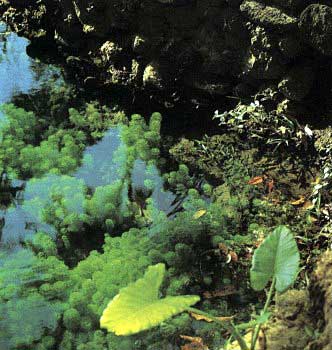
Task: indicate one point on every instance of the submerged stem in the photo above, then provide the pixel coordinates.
(228, 326)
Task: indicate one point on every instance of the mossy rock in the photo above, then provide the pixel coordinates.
(267, 16)
(316, 27)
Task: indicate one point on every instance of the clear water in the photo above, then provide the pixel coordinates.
(19, 73)
(101, 162)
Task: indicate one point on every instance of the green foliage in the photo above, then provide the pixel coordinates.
(17, 130)
(31, 147)
(276, 258)
(138, 307)
(109, 206)
(59, 154)
(142, 140)
(33, 291)
(42, 244)
(95, 120)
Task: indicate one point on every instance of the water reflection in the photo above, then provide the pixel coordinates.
(102, 164)
(19, 73)
(105, 162)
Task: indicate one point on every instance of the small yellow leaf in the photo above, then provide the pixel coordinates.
(199, 214)
(299, 201)
(317, 181)
(308, 205)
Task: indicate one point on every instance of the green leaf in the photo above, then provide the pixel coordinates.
(277, 257)
(137, 307)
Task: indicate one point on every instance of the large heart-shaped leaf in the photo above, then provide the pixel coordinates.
(137, 306)
(277, 257)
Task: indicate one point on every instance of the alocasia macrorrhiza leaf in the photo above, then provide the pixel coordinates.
(277, 257)
(137, 306)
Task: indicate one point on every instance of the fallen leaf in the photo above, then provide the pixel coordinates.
(308, 205)
(229, 290)
(299, 201)
(196, 343)
(317, 181)
(192, 339)
(199, 214)
(234, 256)
(270, 186)
(207, 319)
(235, 345)
(256, 180)
(312, 219)
(223, 248)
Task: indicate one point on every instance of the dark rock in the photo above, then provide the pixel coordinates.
(267, 16)
(296, 84)
(291, 46)
(193, 49)
(316, 27)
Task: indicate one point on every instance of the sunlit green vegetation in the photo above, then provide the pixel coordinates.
(230, 193)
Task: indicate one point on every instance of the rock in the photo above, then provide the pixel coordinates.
(296, 84)
(316, 27)
(291, 46)
(110, 51)
(321, 299)
(303, 318)
(100, 16)
(286, 330)
(292, 5)
(203, 47)
(151, 76)
(267, 16)
(262, 61)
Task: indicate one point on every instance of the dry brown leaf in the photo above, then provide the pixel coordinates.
(223, 248)
(312, 219)
(192, 339)
(196, 343)
(256, 180)
(229, 290)
(234, 256)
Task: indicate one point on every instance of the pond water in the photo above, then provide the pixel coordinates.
(100, 164)
(18, 72)
(22, 216)
(25, 318)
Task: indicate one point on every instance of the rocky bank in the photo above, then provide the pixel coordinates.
(199, 50)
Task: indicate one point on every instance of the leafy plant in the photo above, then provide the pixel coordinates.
(277, 258)
(137, 307)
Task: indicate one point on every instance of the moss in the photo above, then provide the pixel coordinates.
(321, 299)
